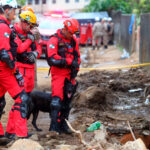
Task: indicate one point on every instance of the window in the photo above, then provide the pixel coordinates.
(43, 1)
(29, 2)
(67, 1)
(77, 1)
(36, 1)
(53, 1)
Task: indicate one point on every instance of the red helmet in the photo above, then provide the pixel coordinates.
(27, 8)
(72, 25)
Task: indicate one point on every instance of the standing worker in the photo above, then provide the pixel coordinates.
(29, 49)
(27, 52)
(97, 33)
(64, 60)
(106, 29)
(9, 77)
(111, 32)
(88, 34)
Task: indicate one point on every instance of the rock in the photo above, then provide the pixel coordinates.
(128, 137)
(100, 135)
(52, 134)
(52, 142)
(34, 137)
(135, 145)
(66, 147)
(110, 148)
(26, 144)
(90, 96)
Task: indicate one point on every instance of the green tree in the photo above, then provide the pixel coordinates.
(21, 2)
(126, 6)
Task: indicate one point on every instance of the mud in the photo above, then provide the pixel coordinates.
(99, 97)
(107, 89)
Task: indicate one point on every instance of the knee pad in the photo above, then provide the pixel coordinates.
(2, 105)
(55, 103)
(24, 105)
(26, 100)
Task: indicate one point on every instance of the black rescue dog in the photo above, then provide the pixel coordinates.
(41, 101)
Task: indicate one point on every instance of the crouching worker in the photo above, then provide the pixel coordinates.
(63, 56)
(9, 79)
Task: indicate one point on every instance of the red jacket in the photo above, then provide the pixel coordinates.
(52, 50)
(5, 32)
(25, 46)
(89, 31)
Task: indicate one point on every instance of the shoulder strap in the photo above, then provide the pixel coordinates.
(60, 40)
(73, 43)
(55, 35)
(3, 21)
(21, 36)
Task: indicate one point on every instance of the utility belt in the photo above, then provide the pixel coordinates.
(25, 62)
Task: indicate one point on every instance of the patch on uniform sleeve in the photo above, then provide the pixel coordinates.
(68, 23)
(6, 34)
(52, 46)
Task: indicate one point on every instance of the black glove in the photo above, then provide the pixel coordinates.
(75, 64)
(31, 37)
(19, 78)
(62, 63)
(4, 57)
(32, 56)
(73, 73)
(33, 46)
(22, 37)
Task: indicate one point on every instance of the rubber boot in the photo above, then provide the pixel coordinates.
(10, 135)
(4, 140)
(64, 126)
(26, 137)
(13, 136)
(55, 121)
(55, 126)
(55, 114)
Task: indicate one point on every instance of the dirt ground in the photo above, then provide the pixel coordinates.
(112, 97)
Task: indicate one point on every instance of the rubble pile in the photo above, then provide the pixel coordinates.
(112, 98)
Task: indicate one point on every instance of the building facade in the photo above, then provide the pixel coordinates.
(41, 6)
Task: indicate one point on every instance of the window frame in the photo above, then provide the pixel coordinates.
(30, 2)
(54, 1)
(37, 2)
(67, 1)
(44, 1)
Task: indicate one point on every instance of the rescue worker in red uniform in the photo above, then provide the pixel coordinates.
(88, 34)
(63, 55)
(28, 50)
(9, 77)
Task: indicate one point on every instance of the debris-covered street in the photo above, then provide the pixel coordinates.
(115, 98)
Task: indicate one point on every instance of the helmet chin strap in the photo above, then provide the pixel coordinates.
(21, 25)
(6, 14)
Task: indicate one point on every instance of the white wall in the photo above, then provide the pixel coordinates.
(72, 6)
